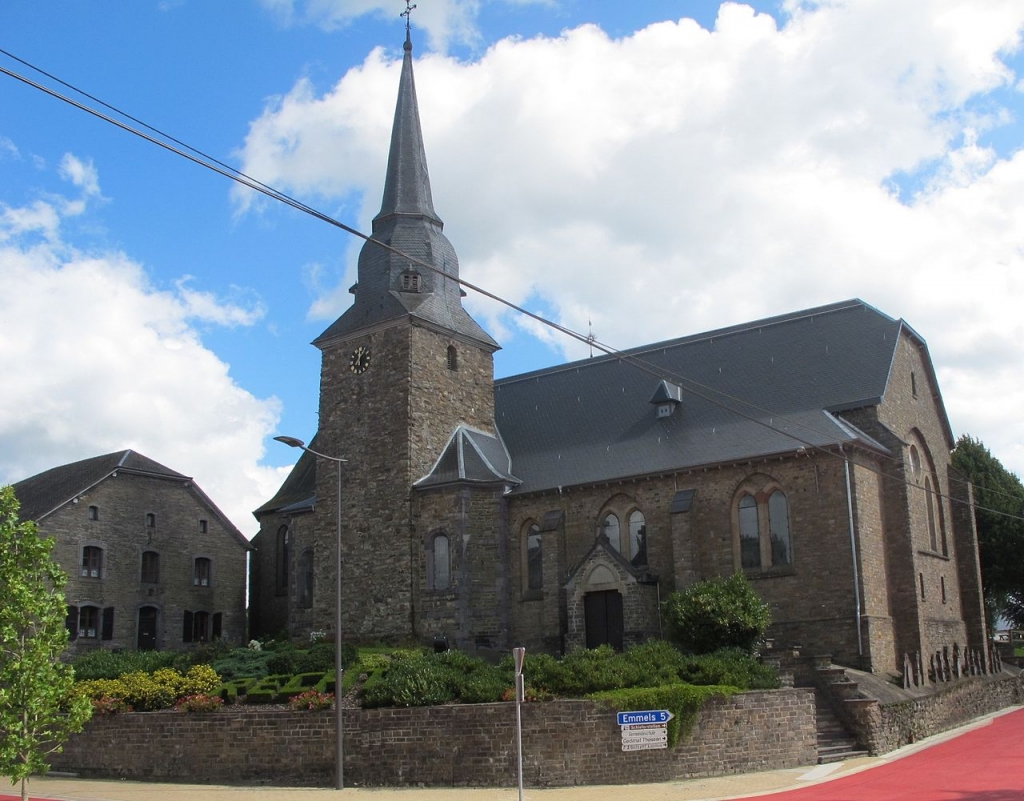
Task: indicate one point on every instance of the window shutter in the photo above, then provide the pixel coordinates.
(217, 619)
(71, 621)
(107, 632)
(186, 628)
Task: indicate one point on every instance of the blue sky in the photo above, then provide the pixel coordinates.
(651, 169)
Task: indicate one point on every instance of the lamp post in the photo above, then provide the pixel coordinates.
(339, 756)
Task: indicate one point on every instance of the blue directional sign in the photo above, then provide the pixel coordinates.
(647, 716)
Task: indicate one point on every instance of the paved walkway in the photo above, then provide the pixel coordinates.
(997, 774)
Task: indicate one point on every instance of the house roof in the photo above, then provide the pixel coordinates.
(473, 457)
(298, 492)
(753, 390)
(44, 493)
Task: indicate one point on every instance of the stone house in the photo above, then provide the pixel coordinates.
(152, 563)
(556, 509)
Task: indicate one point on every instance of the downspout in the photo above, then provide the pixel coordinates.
(853, 552)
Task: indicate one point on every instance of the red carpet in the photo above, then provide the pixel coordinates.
(985, 764)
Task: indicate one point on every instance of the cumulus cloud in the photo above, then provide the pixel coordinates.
(96, 359)
(679, 178)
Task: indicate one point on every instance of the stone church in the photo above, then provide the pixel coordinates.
(555, 509)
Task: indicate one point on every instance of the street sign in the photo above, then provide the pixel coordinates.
(658, 716)
(644, 739)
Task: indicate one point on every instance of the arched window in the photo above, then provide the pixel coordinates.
(441, 566)
(92, 562)
(534, 558)
(778, 525)
(201, 572)
(150, 567)
(281, 566)
(750, 536)
(610, 528)
(638, 539)
(453, 358)
(929, 497)
(306, 579)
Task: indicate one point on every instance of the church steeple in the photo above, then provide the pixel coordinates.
(390, 287)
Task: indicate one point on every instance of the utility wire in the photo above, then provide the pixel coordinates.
(703, 391)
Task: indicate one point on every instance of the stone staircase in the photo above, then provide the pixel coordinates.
(834, 743)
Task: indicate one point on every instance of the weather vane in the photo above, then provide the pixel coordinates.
(407, 13)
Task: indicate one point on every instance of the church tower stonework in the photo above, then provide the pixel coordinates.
(402, 369)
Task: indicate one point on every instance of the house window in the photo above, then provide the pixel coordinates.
(638, 539)
(150, 520)
(534, 558)
(150, 567)
(88, 623)
(94, 513)
(281, 564)
(306, 579)
(195, 627)
(440, 567)
(410, 282)
(453, 358)
(203, 527)
(763, 538)
(610, 527)
(92, 562)
(201, 572)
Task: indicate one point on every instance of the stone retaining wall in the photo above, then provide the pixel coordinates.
(564, 743)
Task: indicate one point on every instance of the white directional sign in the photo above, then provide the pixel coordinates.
(645, 730)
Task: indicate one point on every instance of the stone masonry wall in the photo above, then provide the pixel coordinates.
(564, 743)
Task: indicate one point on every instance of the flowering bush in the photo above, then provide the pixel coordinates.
(200, 680)
(316, 636)
(106, 705)
(149, 691)
(199, 703)
(311, 700)
(255, 645)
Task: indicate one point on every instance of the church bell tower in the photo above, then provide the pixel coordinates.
(402, 368)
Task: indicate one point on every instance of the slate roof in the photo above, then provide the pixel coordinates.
(472, 457)
(298, 492)
(592, 420)
(44, 493)
(407, 221)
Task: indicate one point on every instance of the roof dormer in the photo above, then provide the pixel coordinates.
(666, 398)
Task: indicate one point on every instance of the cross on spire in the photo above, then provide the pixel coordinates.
(408, 15)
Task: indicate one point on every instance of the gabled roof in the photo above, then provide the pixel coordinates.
(44, 493)
(748, 391)
(470, 457)
(298, 492)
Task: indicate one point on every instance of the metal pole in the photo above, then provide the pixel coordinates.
(519, 654)
(339, 673)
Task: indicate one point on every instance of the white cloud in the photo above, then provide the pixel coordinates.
(80, 173)
(680, 179)
(445, 21)
(95, 359)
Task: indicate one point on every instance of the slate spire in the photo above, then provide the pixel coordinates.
(391, 287)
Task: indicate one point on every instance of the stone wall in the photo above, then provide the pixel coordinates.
(564, 743)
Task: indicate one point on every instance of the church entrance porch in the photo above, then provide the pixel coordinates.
(602, 612)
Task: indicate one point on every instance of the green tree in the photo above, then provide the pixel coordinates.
(714, 614)
(998, 513)
(37, 712)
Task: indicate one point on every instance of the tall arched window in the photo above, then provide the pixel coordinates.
(638, 539)
(610, 528)
(442, 565)
(750, 536)
(534, 559)
(281, 566)
(453, 358)
(929, 498)
(778, 524)
(306, 579)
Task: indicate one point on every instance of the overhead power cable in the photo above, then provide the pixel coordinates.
(736, 405)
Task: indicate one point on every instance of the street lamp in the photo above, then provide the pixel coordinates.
(339, 758)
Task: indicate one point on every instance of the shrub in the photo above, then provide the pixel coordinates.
(106, 705)
(283, 660)
(200, 680)
(714, 614)
(317, 658)
(198, 703)
(684, 701)
(312, 700)
(730, 666)
(106, 664)
(243, 663)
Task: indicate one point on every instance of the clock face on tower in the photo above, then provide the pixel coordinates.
(359, 361)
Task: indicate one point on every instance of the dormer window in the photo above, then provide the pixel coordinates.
(666, 398)
(411, 282)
